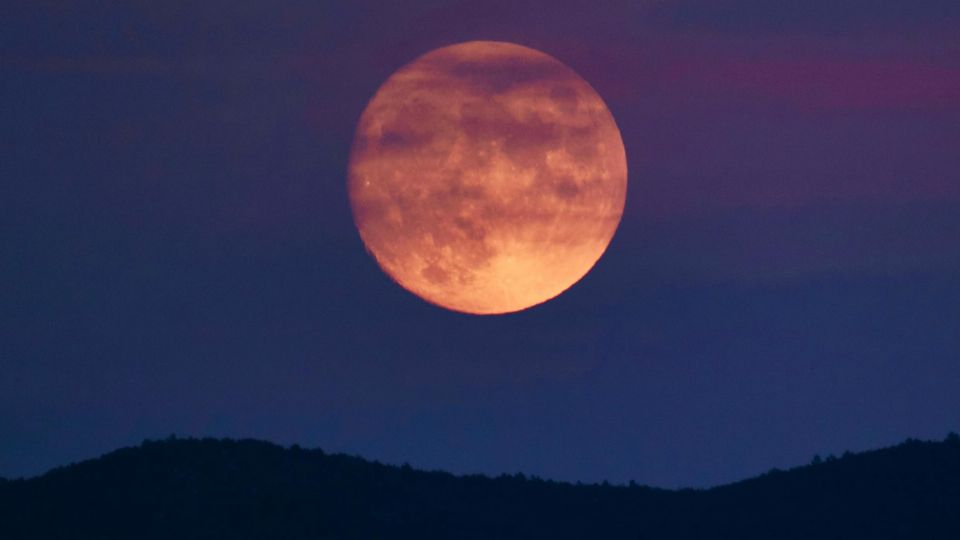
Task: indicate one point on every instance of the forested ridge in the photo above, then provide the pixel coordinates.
(216, 488)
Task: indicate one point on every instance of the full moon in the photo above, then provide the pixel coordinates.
(487, 177)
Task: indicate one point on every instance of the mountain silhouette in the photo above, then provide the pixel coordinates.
(210, 488)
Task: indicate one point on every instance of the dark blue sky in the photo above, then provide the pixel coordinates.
(178, 254)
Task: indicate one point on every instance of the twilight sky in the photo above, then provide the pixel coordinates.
(178, 254)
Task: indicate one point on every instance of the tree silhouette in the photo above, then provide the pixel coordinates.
(186, 488)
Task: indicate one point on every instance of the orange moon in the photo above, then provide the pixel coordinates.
(487, 177)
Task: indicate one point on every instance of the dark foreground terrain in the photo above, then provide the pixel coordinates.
(180, 489)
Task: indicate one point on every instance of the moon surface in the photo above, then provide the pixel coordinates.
(487, 177)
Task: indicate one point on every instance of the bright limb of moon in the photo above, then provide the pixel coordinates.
(487, 177)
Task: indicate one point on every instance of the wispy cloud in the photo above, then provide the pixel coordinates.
(820, 82)
(810, 16)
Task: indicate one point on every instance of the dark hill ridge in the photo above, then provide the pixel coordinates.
(186, 488)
